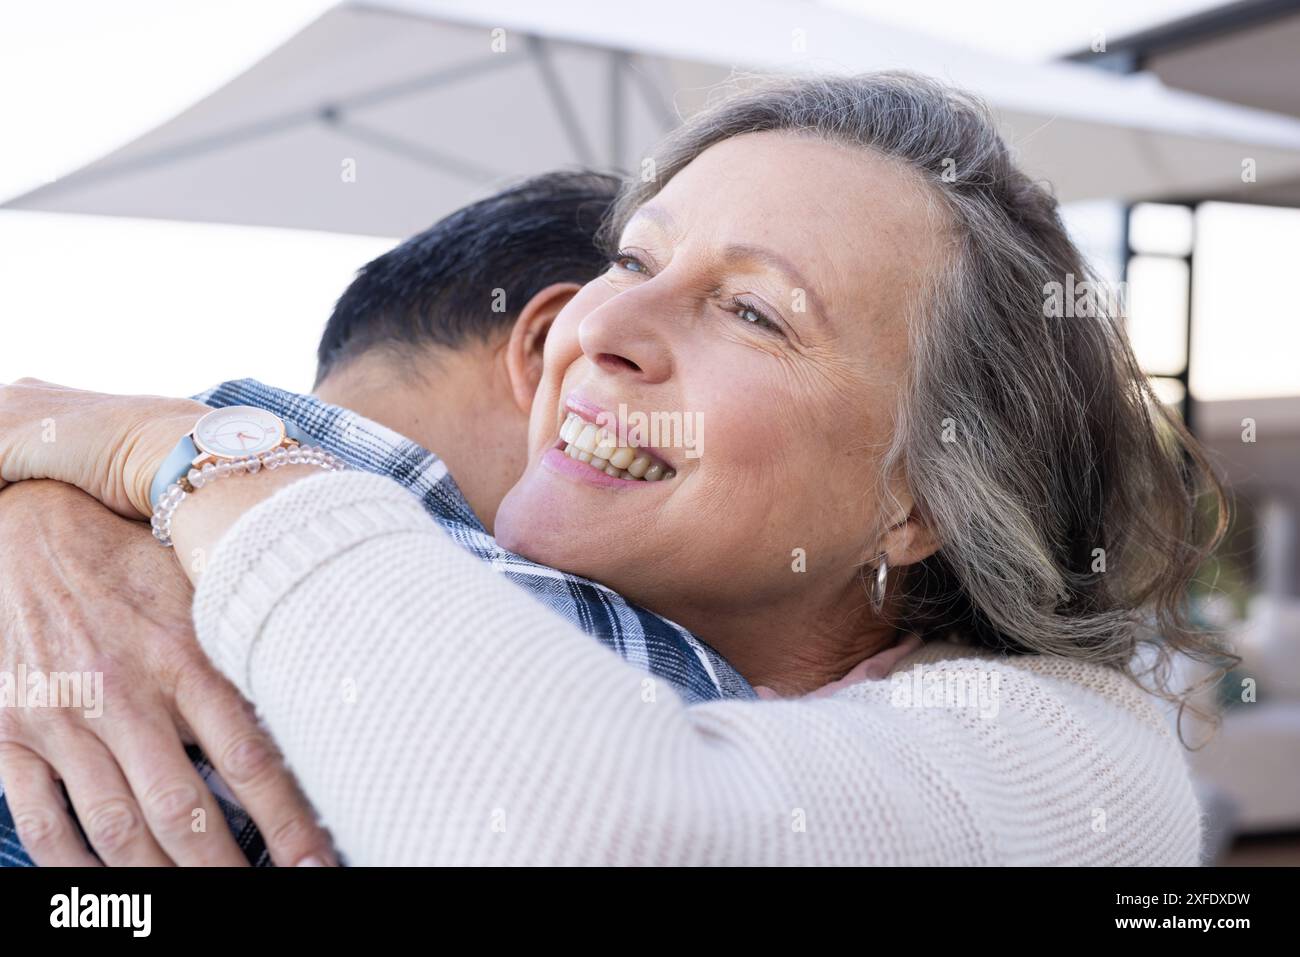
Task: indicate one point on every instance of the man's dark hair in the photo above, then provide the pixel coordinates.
(468, 276)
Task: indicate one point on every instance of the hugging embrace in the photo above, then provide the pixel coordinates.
(444, 611)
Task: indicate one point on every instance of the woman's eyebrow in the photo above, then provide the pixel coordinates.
(774, 260)
(654, 215)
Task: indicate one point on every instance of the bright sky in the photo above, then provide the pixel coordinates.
(1246, 336)
(171, 307)
(133, 305)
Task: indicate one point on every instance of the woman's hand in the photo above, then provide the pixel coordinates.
(109, 446)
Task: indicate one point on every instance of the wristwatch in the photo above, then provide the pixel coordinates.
(224, 435)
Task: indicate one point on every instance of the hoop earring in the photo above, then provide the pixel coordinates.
(878, 587)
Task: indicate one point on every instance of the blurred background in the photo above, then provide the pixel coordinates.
(187, 186)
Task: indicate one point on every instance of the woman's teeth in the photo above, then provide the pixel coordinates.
(600, 449)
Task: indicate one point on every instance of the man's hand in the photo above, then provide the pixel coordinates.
(82, 590)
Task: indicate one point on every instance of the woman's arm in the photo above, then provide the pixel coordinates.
(435, 713)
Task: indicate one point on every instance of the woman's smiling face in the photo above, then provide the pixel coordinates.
(759, 301)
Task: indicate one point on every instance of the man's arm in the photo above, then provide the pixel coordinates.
(85, 591)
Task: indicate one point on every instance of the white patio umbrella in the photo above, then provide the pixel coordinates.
(382, 115)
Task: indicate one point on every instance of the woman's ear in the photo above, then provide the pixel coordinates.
(910, 539)
(528, 338)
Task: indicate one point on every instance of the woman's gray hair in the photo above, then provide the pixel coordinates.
(1066, 497)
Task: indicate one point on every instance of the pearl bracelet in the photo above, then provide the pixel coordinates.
(178, 491)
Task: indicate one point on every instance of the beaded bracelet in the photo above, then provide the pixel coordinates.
(197, 478)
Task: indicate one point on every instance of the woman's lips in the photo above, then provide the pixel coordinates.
(557, 461)
(587, 437)
(590, 453)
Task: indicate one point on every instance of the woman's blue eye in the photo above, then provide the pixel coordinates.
(629, 263)
(754, 317)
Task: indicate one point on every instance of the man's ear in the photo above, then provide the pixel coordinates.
(528, 337)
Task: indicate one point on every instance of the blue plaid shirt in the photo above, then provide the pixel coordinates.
(666, 650)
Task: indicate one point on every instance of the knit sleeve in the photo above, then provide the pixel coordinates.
(437, 714)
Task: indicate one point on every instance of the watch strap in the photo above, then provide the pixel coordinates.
(174, 466)
(292, 431)
(178, 463)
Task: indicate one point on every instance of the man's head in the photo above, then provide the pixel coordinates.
(441, 338)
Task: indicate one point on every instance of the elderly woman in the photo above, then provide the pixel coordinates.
(845, 281)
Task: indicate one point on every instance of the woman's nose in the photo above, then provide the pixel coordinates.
(623, 336)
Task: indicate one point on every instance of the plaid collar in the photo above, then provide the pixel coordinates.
(644, 639)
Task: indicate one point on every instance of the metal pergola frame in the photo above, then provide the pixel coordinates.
(1131, 54)
(1187, 407)
(1121, 55)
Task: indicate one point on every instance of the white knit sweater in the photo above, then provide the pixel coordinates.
(435, 713)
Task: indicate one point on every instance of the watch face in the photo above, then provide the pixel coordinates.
(238, 431)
